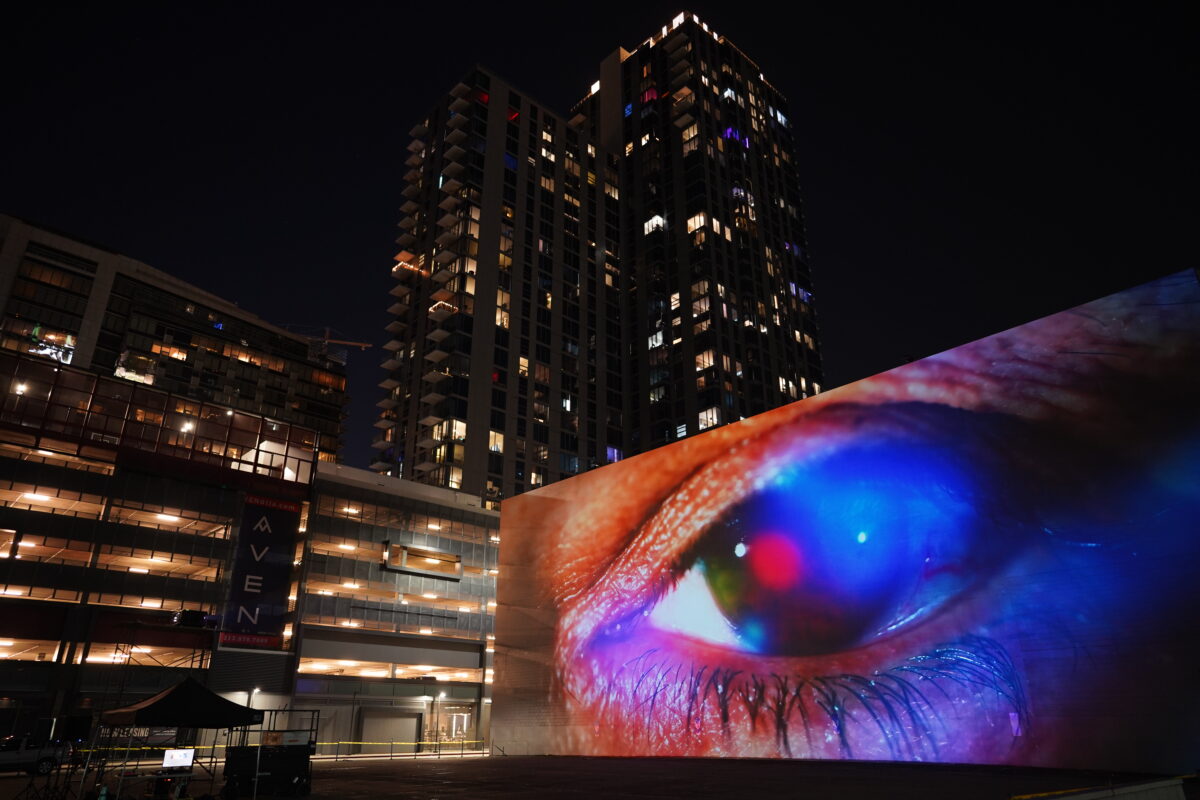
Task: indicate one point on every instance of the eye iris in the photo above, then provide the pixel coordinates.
(835, 551)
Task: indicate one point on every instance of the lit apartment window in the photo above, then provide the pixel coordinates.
(496, 441)
(709, 418)
(655, 223)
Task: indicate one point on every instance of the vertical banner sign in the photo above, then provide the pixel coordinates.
(261, 575)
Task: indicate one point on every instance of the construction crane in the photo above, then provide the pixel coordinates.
(325, 336)
(327, 340)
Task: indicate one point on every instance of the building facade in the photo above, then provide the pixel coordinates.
(394, 635)
(142, 423)
(80, 304)
(720, 324)
(505, 369)
(572, 290)
(119, 506)
(122, 505)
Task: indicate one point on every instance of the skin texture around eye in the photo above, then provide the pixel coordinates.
(1076, 405)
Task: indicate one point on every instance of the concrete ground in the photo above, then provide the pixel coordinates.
(648, 779)
(573, 778)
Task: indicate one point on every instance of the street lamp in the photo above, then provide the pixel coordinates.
(437, 731)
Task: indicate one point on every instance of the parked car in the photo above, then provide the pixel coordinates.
(32, 755)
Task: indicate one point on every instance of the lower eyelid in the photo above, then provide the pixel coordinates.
(668, 661)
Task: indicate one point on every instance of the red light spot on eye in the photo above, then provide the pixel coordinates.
(774, 561)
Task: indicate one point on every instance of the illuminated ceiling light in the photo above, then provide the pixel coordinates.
(348, 663)
(422, 668)
(491, 603)
(441, 678)
(429, 596)
(347, 547)
(441, 695)
(45, 452)
(324, 591)
(228, 412)
(41, 498)
(403, 602)
(19, 388)
(142, 570)
(142, 650)
(167, 517)
(433, 526)
(26, 544)
(433, 561)
(160, 558)
(491, 636)
(464, 608)
(461, 675)
(374, 673)
(186, 427)
(317, 666)
(152, 603)
(495, 539)
(489, 650)
(349, 510)
(427, 631)
(494, 571)
(350, 585)
(352, 624)
(6, 643)
(487, 699)
(13, 592)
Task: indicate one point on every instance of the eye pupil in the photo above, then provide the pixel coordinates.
(739, 549)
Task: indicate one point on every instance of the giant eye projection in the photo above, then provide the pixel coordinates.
(985, 556)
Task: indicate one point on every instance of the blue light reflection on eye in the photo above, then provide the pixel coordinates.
(837, 550)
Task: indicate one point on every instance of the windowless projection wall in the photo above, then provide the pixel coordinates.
(985, 556)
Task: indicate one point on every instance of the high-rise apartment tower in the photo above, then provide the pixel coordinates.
(571, 291)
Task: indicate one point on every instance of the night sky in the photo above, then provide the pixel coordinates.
(965, 169)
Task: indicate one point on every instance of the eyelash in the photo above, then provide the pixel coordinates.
(891, 699)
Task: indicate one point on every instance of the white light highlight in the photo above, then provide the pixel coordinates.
(690, 609)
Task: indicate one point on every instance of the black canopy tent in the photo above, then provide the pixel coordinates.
(122, 737)
(186, 705)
